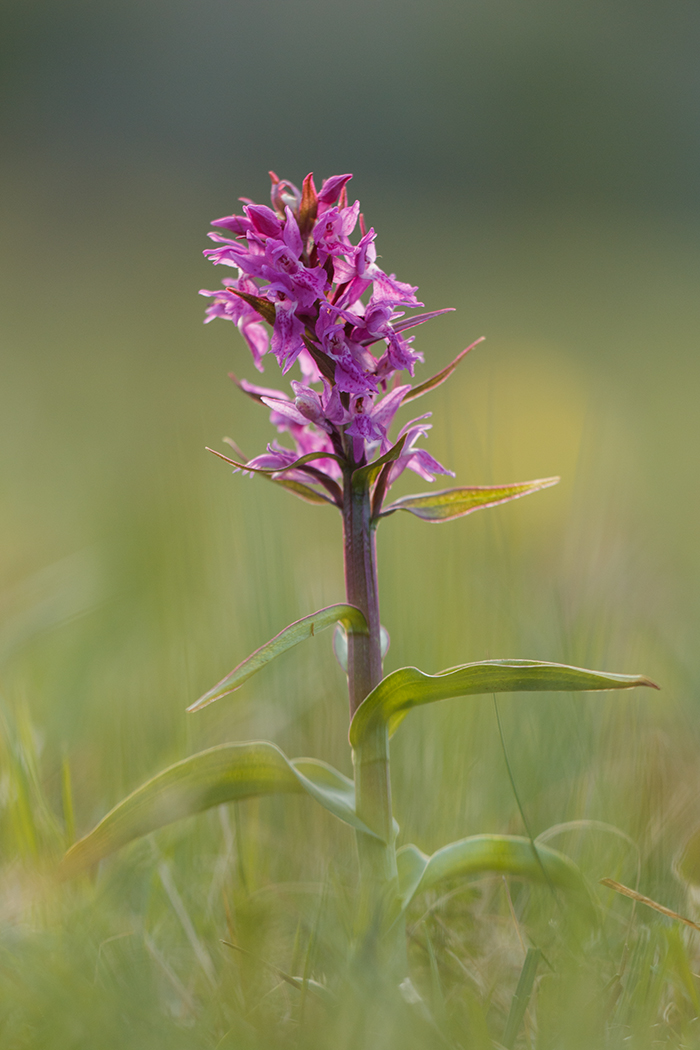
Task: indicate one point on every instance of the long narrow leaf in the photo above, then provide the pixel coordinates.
(411, 322)
(352, 619)
(521, 998)
(227, 773)
(304, 492)
(308, 458)
(440, 377)
(478, 854)
(393, 698)
(455, 503)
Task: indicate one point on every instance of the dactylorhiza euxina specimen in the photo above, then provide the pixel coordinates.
(308, 293)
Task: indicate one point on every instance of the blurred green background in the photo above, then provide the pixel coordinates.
(534, 165)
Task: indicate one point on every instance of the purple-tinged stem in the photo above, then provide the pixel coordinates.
(378, 874)
(364, 650)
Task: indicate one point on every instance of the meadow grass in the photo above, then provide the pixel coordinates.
(135, 572)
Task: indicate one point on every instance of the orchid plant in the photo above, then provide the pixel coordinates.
(307, 295)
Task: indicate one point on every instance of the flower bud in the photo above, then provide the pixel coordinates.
(284, 194)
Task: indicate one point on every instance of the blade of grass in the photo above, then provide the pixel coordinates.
(518, 802)
(633, 895)
(521, 998)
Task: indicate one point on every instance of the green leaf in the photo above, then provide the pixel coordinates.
(303, 491)
(455, 503)
(308, 458)
(227, 773)
(411, 864)
(393, 698)
(439, 377)
(473, 856)
(352, 619)
(366, 475)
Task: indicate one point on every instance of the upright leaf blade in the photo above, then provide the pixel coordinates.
(351, 618)
(227, 773)
(522, 997)
(393, 698)
(416, 319)
(455, 503)
(440, 377)
(478, 854)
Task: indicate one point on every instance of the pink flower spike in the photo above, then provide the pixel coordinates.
(328, 303)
